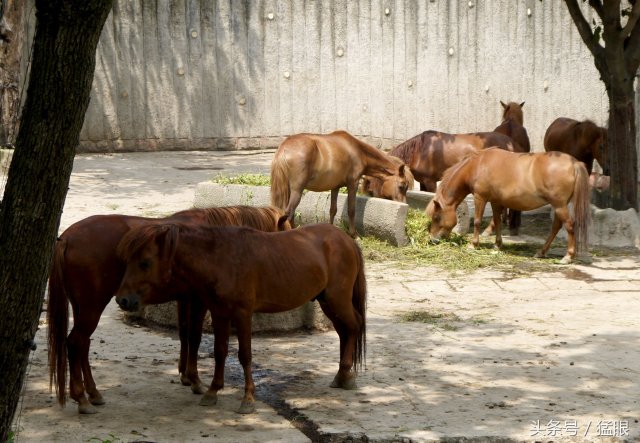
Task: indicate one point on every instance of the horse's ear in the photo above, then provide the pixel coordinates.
(522, 105)
(283, 223)
(503, 105)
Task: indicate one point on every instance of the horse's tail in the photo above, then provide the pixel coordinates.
(359, 301)
(581, 200)
(58, 323)
(280, 191)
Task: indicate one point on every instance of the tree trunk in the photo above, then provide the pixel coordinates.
(65, 42)
(623, 157)
(10, 58)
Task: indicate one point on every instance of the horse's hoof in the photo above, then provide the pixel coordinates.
(486, 233)
(198, 388)
(209, 400)
(185, 380)
(348, 382)
(97, 400)
(566, 260)
(86, 408)
(247, 407)
(539, 254)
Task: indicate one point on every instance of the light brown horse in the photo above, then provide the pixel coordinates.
(512, 125)
(519, 181)
(238, 271)
(86, 272)
(583, 139)
(374, 187)
(328, 162)
(431, 153)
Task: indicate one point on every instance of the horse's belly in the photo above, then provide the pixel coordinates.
(324, 182)
(524, 202)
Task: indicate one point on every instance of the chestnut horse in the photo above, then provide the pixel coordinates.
(238, 271)
(431, 153)
(328, 162)
(519, 181)
(86, 272)
(582, 139)
(512, 125)
(374, 187)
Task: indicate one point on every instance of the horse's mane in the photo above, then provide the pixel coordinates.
(264, 218)
(446, 175)
(405, 150)
(139, 236)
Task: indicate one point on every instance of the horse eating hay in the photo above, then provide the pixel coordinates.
(519, 181)
(238, 271)
(327, 162)
(86, 272)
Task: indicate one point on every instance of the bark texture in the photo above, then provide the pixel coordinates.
(57, 97)
(617, 61)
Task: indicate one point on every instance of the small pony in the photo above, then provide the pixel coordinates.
(238, 271)
(328, 162)
(86, 272)
(519, 181)
(582, 139)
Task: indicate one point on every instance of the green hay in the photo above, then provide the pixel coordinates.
(243, 179)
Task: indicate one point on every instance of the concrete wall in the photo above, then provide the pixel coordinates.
(233, 74)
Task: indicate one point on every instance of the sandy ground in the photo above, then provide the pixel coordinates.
(536, 357)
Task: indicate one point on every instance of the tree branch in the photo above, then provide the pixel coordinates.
(583, 26)
(632, 21)
(597, 6)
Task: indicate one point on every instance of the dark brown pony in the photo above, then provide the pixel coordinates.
(512, 125)
(431, 153)
(238, 271)
(519, 181)
(582, 139)
(86, 272)
(374, 187)
(328, 162)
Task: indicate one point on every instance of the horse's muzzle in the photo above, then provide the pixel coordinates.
(129, 303)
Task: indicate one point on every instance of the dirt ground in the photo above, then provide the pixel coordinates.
(490, 357)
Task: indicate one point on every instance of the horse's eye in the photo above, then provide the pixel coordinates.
(145, 265)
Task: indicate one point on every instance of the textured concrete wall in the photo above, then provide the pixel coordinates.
(232, 74)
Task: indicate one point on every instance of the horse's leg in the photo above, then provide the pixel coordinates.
(564, 218)
(351, 206)
(333, 208)
(338, 307)
(479, 204)
(497, 221)
(243, 325)
(85, 322)
(555, 227)
(515, 220)
(221, 326)
(183, 313)
(294, 201)
(196, 312)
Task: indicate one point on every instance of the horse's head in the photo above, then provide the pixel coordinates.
(513, 111)
(148, 252)
(443, 219)
(395, 185)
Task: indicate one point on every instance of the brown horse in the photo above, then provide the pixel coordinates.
(328, 162)
(519, 181)
(582, 139)
(374, 187)
(238, 271)
(431, 153)
(86, 272)
(512, 125)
